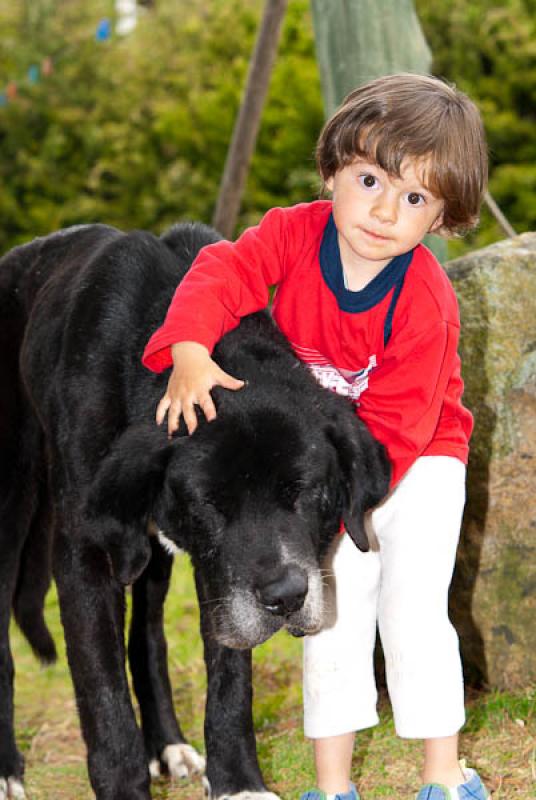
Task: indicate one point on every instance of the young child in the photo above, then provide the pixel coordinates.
(372, 313)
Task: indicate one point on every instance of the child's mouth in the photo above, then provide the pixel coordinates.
(376, 236)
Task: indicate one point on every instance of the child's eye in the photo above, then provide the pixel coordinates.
(368, 181)
(415, 199)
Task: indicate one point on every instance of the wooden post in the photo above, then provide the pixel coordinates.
(364, 39)
(499, 216)
(248, 121)
(359, 40)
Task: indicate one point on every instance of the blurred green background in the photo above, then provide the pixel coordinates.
(133, 130)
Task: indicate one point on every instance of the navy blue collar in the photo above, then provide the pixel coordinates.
(374, 292)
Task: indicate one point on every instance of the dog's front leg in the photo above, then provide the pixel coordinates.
(92, 612)
(232, 765)
(147, 651)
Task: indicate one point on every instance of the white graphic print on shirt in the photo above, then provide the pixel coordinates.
(342, 381)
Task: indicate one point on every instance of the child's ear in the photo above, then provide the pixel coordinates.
(438, 222)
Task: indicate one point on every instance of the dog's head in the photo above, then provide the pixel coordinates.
(256, 499)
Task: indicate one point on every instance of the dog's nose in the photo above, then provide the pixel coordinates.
(284, 592)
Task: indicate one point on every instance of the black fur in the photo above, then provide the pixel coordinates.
(255, 497)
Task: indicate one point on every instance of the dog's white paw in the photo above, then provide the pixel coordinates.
(11, 789)
(154, 769)
(181, 760)
(241, 795)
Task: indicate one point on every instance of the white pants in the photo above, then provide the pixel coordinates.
(401, 585)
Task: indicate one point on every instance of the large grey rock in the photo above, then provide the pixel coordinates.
(494, 589)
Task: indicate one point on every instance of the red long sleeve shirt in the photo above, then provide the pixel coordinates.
(391, 347)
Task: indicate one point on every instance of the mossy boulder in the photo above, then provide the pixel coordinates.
(493, 602)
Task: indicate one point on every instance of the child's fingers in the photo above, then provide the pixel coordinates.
(191, 397)
(190, 418)
(228, 382)
(207, 405)
(162, 408)
(173, 417)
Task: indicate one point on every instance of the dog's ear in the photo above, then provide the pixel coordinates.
(365, 472)
(131, 473)
(121, 497)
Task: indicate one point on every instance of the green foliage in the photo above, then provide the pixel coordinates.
(489, 50)
(134, 131)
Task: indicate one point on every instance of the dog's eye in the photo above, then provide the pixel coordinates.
(207, 516)
(289, 494)
(314, 498)
(323, 497)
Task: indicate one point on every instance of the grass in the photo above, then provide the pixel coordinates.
(499, 738)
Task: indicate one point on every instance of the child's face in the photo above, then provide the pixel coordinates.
(379, 216)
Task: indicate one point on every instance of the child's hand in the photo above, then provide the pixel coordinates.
(193, 376)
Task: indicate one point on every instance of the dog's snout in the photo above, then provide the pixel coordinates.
(284, 592)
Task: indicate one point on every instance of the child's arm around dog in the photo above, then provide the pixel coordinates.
(233, 280)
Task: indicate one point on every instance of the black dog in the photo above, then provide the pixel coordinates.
(255, 497)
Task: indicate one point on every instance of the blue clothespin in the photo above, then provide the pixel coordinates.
(33, 73)
(104, 30)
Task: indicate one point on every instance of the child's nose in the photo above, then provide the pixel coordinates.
(385, 208)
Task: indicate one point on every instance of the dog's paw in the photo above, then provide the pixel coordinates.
(181, 761)
(11, 789)
(247, 795)
(154, 769)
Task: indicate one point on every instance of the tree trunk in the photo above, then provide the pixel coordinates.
(248, 121)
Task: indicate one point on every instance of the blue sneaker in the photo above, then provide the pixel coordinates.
(472, 789)
(318, 794)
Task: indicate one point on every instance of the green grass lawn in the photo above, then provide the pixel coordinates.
(499, 738)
